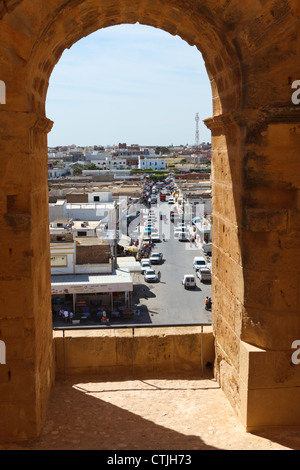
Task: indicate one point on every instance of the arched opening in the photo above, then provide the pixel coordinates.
(251, 54)
(132, 84)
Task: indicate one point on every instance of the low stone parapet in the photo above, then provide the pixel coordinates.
(136, 352)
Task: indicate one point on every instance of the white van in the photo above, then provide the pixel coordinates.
(189, 281)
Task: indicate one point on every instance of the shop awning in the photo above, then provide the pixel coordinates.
(87, 284)
(128, 263)
(124, 241)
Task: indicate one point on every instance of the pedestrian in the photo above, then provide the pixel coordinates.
(163, 237)
(104, 318)
(159, 276)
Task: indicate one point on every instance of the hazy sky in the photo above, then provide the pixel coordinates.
(129, 83)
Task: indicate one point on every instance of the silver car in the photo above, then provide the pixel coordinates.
(150, 275)
(204, 274)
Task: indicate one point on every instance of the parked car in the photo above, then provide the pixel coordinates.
(199, 262)
(189, 281)
(204, 274)
(145, 263)
(180, 226)
(181, 235)
(155, 237)
(156, 258)
(207, 249)
(150, 275)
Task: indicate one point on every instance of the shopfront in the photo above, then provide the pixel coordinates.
(85, 295)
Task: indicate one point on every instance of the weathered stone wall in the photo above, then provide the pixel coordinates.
(92, 253)
(122, 353)
(252, 52)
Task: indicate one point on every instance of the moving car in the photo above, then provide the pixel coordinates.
(204, 274)
(150, 275)
(171, 200)
(199, 262)
(189, 281)
(156, 258)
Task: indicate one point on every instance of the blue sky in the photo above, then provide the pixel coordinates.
(129, 83)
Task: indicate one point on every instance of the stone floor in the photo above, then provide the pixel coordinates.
(149, 414)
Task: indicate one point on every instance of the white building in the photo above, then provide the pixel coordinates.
(57, 172)
(100, 196)
(88, 211)
(203, 229)
(62, 229)
(116, 163)
(64, 260)
(152, 163)
(75, 285)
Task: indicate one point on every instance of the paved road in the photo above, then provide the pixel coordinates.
(168, 302)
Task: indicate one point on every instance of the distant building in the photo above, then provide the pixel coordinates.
(152, 163)
(57, 172)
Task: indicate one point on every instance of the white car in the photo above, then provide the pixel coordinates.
(155, 237)
(171, 200)
(189, 281)
(145, 263)
(204, 274)
(181, 226)
(181, 235)
(150, 275)
(199, 262)
(156, 258)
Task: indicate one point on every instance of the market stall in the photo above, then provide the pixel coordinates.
(89, 294)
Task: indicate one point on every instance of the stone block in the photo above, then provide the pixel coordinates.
(271, 396)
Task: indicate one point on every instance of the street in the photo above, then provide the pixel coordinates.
(167, 302)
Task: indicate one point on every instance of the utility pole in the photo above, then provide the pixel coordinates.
(197, 151)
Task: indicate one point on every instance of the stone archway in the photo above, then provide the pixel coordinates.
(252, 52)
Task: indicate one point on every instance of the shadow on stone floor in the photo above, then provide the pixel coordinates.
(154, 414)
(79, 419)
